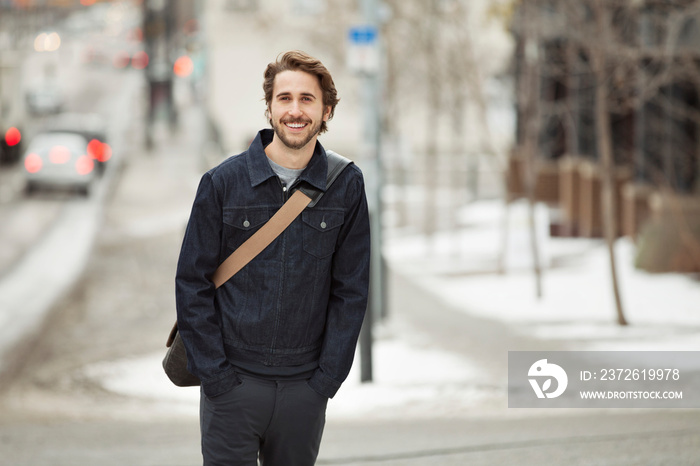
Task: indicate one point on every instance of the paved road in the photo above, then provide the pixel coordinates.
(574, 439)
(46, 238)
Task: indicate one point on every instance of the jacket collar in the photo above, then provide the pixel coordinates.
(260, 171)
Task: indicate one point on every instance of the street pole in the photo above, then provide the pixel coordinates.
(372, 137)
(158, 35)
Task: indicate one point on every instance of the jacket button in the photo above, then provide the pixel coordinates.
(323, 224)
(246, 224)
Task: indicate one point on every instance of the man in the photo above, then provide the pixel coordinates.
(276, 341)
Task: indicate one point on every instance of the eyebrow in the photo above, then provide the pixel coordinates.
(303, 94)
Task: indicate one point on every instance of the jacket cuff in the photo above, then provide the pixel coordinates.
(221, 384)
(323, 384)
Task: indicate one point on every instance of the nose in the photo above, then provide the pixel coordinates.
(294, 109)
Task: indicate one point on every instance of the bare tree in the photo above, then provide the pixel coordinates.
(602, 119)
(529, 103)
(433, 61)
(631, 74)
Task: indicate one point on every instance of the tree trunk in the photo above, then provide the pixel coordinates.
(530, 86)
(456, 155)
(604, 142)
(432, 123)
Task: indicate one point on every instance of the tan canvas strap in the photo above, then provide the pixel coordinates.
(261, 238)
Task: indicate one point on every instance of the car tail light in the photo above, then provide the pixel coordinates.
(59, 154)
(106, 152)
(12, 136)
(100, 151)
(140, 60)
(32, 162)
(94, 149)
(121, 59)
(84, 165)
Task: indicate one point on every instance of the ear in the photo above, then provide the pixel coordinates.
(327, 113)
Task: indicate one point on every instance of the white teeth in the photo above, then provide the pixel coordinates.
(295, 125)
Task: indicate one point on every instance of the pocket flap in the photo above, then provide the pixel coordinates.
(323, 220)
(246, 218)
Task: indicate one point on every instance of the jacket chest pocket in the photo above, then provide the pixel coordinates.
(241, 222)
(320, 231)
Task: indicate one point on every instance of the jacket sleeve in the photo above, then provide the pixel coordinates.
(348, 296)
(198, 321)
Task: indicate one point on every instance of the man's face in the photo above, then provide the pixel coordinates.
(296, 110)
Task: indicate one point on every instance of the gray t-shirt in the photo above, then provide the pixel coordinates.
(287, 175)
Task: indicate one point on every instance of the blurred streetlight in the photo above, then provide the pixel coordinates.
(47, 42)
(183, 66)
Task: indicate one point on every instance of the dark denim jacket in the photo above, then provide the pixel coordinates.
(299, 301)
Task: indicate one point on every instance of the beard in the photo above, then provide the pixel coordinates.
(299, 140)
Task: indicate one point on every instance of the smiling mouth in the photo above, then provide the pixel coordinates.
(295, 125)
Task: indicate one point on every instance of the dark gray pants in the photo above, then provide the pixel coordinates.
(281, 421)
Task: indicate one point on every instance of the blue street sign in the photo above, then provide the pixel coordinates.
(363, 35)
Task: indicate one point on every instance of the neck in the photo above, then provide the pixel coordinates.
(286, 157)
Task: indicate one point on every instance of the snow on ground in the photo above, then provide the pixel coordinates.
(442, 376)
(577, 308)
(577, 304)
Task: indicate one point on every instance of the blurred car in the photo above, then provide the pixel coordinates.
(88, 125)
(125, 58)
(59, 160)
(44, 100)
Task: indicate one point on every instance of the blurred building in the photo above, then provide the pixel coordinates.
(652, 56)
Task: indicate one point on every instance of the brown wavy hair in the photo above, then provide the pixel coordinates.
(296, 60)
